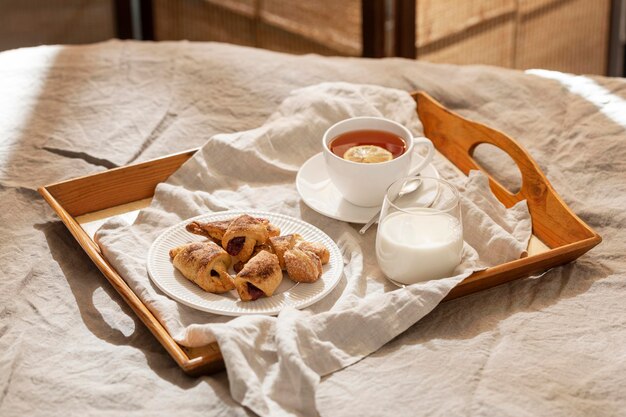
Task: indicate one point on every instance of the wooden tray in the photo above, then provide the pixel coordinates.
(559, 236)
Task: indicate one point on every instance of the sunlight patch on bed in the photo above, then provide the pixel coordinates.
(112, 313)
(15, 115)
(609, 104)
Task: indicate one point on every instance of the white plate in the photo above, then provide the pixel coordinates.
(319, 193)
(289, 293)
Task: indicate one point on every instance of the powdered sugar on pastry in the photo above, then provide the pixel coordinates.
(303, 266)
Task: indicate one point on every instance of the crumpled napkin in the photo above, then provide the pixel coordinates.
(274, 364)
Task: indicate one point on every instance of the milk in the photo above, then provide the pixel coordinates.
(423, 245)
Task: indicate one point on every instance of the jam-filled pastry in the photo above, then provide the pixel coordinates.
(242, 235)
(238, 266)
(263, 247)
(271, 229)
(317, 248)
(204, 263)
(281, 244)
(303, 266)
(259, 277)
(216, 230)
(213, 230)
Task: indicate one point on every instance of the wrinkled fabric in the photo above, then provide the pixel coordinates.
(547, 345)
(274, 364)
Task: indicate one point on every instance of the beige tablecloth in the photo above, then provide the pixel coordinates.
(550, 345)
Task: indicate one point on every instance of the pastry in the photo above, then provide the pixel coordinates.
(204, 263)
(281, 244)
(259, 248)
(213, 230)
(317, 248)
(273, 230)
(238, 266)
(242, 235)
(303, 266)
(259, 277)
(245, 233)
(216, 230)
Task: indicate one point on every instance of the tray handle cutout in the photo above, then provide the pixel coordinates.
(456, 138)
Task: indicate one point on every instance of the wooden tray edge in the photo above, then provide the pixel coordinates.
(209, 359)
(456, 137)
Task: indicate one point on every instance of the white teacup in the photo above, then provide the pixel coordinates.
(365, 184)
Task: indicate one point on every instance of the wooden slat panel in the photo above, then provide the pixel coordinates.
(277, 39)
(199, 20)
(438, 19)
(529, 6)
(491, 43)
(325, 27)
(564, 35)
(335, 25)
(244, 7)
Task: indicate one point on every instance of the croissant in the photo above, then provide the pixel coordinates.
(281, 244)
(259, 277)
(317, 248)
(204, 263)
(303, 266)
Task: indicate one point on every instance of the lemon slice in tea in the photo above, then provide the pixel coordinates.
(368, 154)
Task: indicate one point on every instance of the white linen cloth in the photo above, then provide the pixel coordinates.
(274, 364)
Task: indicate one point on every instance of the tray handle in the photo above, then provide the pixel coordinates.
(456, 138)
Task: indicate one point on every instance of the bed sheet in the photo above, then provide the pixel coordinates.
(548, 345)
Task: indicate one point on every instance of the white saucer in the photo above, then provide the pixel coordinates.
(319, 193)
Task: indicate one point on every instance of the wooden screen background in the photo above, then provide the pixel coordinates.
(565, 35)
(36, 22)
(323, 27)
